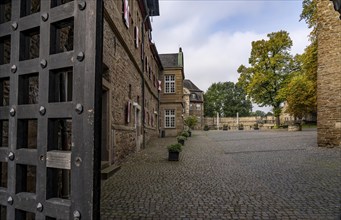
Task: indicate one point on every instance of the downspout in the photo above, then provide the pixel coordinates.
(143, 80)
(158, 111)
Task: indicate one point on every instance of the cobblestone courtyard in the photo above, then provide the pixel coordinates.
(229, 175)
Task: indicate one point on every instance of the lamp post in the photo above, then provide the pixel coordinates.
(337, 6)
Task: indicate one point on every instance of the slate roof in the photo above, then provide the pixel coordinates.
(169, 60)
(196, 94)
(191, 86)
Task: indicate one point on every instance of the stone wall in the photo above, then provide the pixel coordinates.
(123, 79)
(329, 76)
(247, 122)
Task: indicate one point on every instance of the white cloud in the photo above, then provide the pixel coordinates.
(216, 36)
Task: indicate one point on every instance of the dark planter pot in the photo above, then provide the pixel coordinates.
(182, 142)
(190, 133)
(173, 156)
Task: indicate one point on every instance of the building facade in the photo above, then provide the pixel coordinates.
(171, 96)
(130, 101)
(328, 76)
(194, 102)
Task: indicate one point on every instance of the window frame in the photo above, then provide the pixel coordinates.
(170, 121)
(169, 81)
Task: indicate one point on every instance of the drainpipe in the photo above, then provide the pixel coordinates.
(158, 107)
(143, 80)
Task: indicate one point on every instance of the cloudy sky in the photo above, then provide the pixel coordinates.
(216, 35)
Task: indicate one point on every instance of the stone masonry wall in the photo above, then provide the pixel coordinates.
(124, 77)
(329, 76)
(247, 122)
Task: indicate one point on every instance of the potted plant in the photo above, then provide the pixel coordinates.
(181, 139)
(206, 128)
(225, 127)
(190, 122)
(173, 152)
(240, 127)
(185, 134)
(255, 126)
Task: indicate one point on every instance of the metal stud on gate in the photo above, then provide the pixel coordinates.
(43, 63)
(12, 112)
(10, 200)
(40, 207)
(76, 215)
(11, 156)
(14, 69)
(82, 5)
(42, 110)
(45, 16)
(79, 108)
(14, 26)
(80, 56)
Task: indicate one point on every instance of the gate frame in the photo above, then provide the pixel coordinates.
(84, 110)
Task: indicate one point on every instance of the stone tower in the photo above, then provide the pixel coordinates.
(329, 76)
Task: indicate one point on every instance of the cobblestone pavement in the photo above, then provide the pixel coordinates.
(229, 175)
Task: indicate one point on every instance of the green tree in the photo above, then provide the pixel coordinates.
(258, 113)
(300, 92)
(270, 65)
(226, 99)
(309, 14)
(191, 121)
(300, 95)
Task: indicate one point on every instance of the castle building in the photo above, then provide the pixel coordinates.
(171, 96)
(194, 102)
(130, 100)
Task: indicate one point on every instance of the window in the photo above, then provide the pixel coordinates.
(170, 118)
(198, 106)
(170, 84)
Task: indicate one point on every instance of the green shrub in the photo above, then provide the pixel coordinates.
(174, 148)
(185, 134)
(191, 121)
(181, 137)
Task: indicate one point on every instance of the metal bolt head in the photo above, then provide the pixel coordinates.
(43, 63)
(82, 5)
(12, 111)
(14, 69)
(42, 110)
(80, 56)
(45, 16)
(76, 215)
(79, 108)
(40, 207)
(10, 200)
(11, 156)
(78, 161)
(14, 26)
